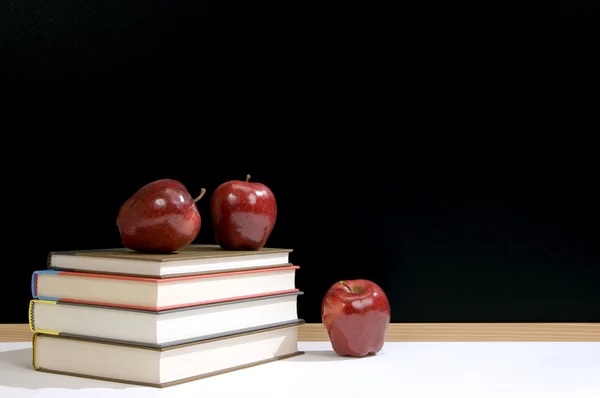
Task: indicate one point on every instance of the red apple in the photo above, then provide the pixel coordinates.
(356, 314)
(243, 214)
(161, 217)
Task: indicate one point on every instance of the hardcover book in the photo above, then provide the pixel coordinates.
(190, 260)
(156, 294)
(163, 367)
(161, 329)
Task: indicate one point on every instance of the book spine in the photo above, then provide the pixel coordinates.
(32, 327)
(34, 284)
(32, 315)
(34, 349)
(49, 261)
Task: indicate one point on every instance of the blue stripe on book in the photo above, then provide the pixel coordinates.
(34, 280)
(48, 298)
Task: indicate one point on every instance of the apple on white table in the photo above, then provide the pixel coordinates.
(356, 314)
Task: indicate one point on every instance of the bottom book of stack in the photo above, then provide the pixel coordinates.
(166, 366)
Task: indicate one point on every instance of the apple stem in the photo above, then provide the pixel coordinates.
(202, 192)
(247, 177)
(346, 286)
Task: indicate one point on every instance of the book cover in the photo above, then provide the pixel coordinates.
(85, 369)
(183, 311)
(158, 281)
(192, 259)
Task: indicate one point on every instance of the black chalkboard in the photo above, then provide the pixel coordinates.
(75, 44)
(444, 248)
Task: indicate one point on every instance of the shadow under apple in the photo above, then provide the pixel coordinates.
(320, 356)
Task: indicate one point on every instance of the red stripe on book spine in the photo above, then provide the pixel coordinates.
(178, 278)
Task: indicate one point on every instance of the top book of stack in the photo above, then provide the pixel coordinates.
(191, 260)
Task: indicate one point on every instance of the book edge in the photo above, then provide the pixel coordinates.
(230, 253)
(82, 274)
(295, 323)
(167, 277)
(173, 310)
(175, 382)
(178, 343)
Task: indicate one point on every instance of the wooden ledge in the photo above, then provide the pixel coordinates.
(424, 332)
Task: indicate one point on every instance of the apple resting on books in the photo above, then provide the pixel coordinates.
(243, 214)
(356, 314)
(161, 217)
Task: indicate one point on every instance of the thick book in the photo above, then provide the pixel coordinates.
(161, 328)
(163, 367)
(156, 294)
(190, 260)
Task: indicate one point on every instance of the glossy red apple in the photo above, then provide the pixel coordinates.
(243, 214)
(161, 217)
(356, 314)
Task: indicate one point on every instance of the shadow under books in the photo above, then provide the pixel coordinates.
(16, 370)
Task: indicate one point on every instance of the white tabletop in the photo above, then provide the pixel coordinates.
(400, 370)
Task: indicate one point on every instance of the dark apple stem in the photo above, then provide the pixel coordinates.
(247, 177)
(202, 192)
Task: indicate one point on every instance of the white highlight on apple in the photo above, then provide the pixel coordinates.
(232, 198)
(360, 304)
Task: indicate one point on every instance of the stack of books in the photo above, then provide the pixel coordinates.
(160, 320)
